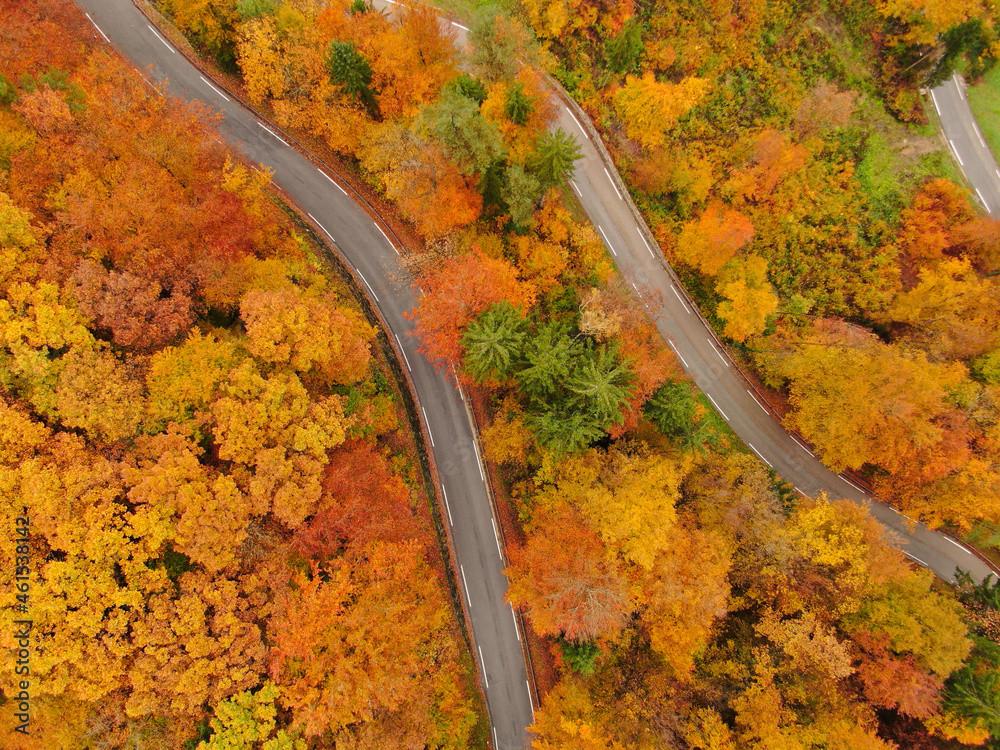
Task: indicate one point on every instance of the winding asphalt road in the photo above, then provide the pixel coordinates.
(467, 505)
(967, 142)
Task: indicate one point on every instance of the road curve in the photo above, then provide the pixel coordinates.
(467, 504)
(468, 509)
(966, 142)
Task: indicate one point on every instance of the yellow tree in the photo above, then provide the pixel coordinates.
(649, 108)
(748, 298)
(310, 333)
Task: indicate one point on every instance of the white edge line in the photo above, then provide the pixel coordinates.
(802, 445)
(448, 507)
(483, 662)
(495, 742)
(497, 537)
(758, 402)
(321, 227)
(855, 486)
(607, 241)
(367, 285)
(467, 597)
(386, 238)
(165, 42)
(428, 423)
(801, 492)
(531, 700)
(679, 356)
(582, 129)
(680, 299)
(517, 630)
(98, 28)
(983, 200)
(717, 407)
(901, 514)
(960, 546)
(759, 455)
(575, 188)
(463, 28)
(405, 358)
(934, 99)
(332, 181)
(611, 180)
(479, 461)
(916, 559)
(718, 352)
(273, 133)
(955, 150)
(643, 238)
(209, 84)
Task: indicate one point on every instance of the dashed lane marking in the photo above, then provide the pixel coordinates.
(613, 184)
(428, 423)
(607, 241)
(165, 42)
(405, 358)
(447, 507)
(99, 31)
(582, 130)
(681, 299)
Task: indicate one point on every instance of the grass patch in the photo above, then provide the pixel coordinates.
(984, 100)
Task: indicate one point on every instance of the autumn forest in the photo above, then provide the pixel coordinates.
(234, 540)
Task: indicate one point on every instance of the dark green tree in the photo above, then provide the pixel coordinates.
(470, 87)
(518, 106)
(554, 157)
(623, 53)
(348, 68)
(600, 384)
(548, 361)
(8, 91)
(673, 409)
(493, 342)
(520, 192)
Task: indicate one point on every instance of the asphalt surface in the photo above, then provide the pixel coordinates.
(468, 508)
(966, 142)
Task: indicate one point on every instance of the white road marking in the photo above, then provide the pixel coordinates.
(531, 700)
(916, 559)
(578, 123)
(391, 243)
(273, 133)
(483, 662)
(855, 486)
(997, 171)
(757, 402)
(165, 42)
(445, 493)
(575, 188)
(611, 180)
(680, 299)
(372, 291)
(960, 546)
(496, 536)
(674, 347)
(479, 461)
(405, 358)
(717, 407)
(428, 423)
(716, 350)
(985, 205)
(467, 597)
(516, 629)
(332, 181)
(801, 492)
(607, 241)
(957, 155)
(495, 743)
(321, 227)
(954, 77)
(934, 99)
(463, 28)
(802, 445)
(209, 84)
(98, 28)
(643, 237)
(759, 455)
(901, 514)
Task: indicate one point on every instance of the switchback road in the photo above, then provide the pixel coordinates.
(468, 510)
(453, 443)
